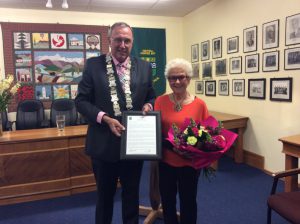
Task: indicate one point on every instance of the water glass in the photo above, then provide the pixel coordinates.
(60, 122)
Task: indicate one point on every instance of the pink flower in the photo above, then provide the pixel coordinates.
(219, 141)
(195, 131)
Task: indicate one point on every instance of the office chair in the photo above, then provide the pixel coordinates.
(6, 124)
(286, 204)
(65, 107)
(30, 115)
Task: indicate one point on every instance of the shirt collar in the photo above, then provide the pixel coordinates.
(124, 64)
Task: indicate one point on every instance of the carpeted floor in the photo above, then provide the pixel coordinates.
(237, 195)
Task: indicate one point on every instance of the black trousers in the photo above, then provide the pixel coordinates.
(106, 175)
(183, 180)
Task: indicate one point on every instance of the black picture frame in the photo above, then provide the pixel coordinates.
(199, 87)
(210, 88)
(292, 58)
(195, 53)
(250, 39)
(270, 34)
(205, 50)
(281, 89)
(233, 45)
(238, 87)
(235, 65)
(138, 116)
(217, 47)
(207, 70)
(224, 87)
(195, 67)
(270, 61)
(292, 29)
(252, 63)
(257, 88)
(221, 67)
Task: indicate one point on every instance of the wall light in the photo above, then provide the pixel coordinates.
(49, 4)
(65, 4)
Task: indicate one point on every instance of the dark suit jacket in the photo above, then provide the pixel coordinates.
(94, 96)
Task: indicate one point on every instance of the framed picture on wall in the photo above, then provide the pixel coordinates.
(270, 61)
(238, 87)
(195, 53)
(257, 88)
(206, 70)
(235, 65)
(252, 63)
(195, 67)
(224, 87)
(292, 58)
(199, 86)
(232, 45)
(270, 33)
(221, 67)
(217, 47)
(250, 39)
(281, 89)
(210, 88)
(292, 29)
(205, 50)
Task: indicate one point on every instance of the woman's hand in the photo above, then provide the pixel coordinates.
(115, 126)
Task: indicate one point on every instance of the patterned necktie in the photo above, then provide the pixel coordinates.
(121, 74)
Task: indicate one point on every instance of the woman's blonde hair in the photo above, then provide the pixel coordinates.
(179, 63)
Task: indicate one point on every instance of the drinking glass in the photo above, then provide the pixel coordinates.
(60, 122)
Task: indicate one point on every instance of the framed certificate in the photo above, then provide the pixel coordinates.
(142, 136)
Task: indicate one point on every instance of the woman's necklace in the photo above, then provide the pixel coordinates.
(178, 104)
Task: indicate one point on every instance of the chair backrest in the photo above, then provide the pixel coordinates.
(66, 107)
(30, 115)
(4, 121)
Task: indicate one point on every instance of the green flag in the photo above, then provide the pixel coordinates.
(150, 45)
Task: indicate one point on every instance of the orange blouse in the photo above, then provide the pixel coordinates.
(196, 110)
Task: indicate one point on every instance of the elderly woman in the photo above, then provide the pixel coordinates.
(176, 173)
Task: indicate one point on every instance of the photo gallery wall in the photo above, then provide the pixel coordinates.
(49, 65)
(250, 62)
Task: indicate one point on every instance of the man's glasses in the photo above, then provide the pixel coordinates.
(175, 78)
(120, 40)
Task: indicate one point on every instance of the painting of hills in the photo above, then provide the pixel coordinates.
(58, 66)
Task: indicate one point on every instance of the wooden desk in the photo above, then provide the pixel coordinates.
(291, 149)
(43, 163)
(230, 121)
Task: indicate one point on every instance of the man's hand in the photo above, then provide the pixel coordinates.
(114, 125)
(146, 108)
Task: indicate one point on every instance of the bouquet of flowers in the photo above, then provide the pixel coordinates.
(202, 142)
(7, 90)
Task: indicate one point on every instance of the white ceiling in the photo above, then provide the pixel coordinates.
(176, 8)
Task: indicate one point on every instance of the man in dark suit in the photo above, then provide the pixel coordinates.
(102, 96)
